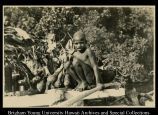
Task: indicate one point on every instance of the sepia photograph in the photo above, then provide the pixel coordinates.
(79, 56)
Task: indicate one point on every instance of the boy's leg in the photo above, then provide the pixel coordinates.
(80, 73)
(89, 73)
(74, 76)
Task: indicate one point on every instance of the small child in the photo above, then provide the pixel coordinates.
(84, 67)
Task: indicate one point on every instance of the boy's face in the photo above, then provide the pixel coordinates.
(79, 45)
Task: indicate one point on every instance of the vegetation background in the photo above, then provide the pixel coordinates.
(122, 37)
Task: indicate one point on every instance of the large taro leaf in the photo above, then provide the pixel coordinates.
(17, 36)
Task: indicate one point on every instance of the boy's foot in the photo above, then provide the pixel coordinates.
(82, 87)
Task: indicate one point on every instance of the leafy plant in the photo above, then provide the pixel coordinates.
(120, 37)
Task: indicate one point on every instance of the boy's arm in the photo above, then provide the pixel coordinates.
(93, 62)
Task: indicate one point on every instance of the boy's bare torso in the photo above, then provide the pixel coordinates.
(84, 57)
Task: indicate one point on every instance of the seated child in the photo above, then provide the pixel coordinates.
(84, 67)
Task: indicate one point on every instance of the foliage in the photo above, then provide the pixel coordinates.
(121, 37)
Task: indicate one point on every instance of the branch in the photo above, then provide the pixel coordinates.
(85, 94)
(69, 35)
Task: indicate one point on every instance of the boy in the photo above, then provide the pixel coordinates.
(84, 68)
